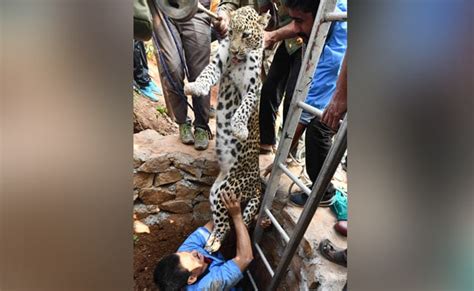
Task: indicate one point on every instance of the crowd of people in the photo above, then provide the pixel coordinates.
(184, 51)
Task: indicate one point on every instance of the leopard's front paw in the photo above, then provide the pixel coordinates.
(195, 89)
(239, 130)
(213, 244)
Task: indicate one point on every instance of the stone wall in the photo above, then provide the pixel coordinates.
(173, 177)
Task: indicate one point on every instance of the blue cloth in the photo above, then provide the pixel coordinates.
(224, 273)
(326, 73)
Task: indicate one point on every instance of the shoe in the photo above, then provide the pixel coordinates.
(155, 88)
(186, 134)
(299, 199)
(332, 253)
(147, 92)
(201, 139)
(212, 112)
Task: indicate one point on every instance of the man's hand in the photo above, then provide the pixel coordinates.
(333, 113)
(268, 39)
(232, 204)
(221, 25)
(243, 254)
(338, 105)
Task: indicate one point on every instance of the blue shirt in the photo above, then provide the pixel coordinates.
(325, 76)
(224, 274)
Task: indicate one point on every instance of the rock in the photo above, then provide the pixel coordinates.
(169, 176)
(142, 149)
(211, 168)
(137, 162)
(141, 210)
(156, 164)
(184, 162)
(156, 218)
(142, 180)
(146, 116)
(200, 162)
(202, 211)
(208, 180)
(200, 198)
(205, 190)
(186, 190)
(170, 144)
(177, 206)
(155, 196)
(135, 195)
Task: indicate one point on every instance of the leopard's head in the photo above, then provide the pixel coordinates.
(246, 31)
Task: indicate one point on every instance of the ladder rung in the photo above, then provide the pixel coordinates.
(252, 280)
(277, 225)
(310, 109)
(294, 178)
(264, 259)
(335, 16)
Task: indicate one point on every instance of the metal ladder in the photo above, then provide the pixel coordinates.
(313, 51)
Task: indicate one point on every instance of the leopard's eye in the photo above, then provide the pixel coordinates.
(230, 32)
(245, 34)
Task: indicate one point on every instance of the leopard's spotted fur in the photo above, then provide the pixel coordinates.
(237, 65)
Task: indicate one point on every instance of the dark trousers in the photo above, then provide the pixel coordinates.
(140, 64)
(318, 142)
(180, 45)
(282, 77)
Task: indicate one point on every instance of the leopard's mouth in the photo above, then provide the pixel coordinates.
(237, 58)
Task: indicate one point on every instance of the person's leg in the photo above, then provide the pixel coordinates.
(141, 79)
(170, 67)
(317, 144)
(196, 38)
(270, 97)
(140, 68)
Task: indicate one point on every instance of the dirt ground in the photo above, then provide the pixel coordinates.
(164, 238)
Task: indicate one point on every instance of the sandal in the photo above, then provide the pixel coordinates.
(333, 254)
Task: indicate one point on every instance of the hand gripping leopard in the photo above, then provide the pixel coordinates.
(237, 65)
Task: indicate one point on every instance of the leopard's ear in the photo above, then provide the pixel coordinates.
(264, 18)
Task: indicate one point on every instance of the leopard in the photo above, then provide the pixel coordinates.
(237, 67)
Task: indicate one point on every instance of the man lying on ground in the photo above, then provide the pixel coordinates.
(196, 269)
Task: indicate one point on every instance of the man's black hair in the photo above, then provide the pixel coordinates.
(169, 275)
(304, 5)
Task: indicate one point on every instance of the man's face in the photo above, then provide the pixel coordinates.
(302, 22)
(193, 262)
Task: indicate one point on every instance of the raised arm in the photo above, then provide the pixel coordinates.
(338, 104)
(244, 254)
(211, 73)
(285, 32)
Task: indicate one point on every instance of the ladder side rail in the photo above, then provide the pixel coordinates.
(308, 66)
(324, 178)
